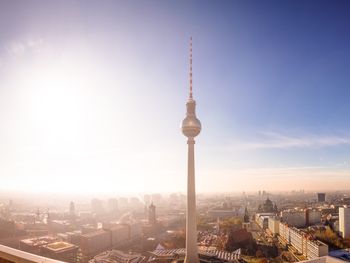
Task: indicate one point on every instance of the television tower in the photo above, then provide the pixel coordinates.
(191, 127)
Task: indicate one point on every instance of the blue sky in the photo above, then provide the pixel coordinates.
(270, 79)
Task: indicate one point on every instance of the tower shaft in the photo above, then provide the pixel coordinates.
(191, 127)
(191, 222)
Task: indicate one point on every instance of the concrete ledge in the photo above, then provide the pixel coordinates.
(19, 256)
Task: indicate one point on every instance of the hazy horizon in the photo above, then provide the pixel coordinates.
(92, 95)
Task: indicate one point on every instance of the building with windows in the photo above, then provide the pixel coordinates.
(119, 235)
(273, 225)
(95, 242)
(313, 217)
(301, 217)
(34, 245)
(321, 197)
(344, 221)
(263, 219)
(61, 251)
(294, 217)
(303, 243)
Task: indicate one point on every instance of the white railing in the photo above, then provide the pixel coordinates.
(19, 256)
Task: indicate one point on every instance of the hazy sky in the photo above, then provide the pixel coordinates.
(92, 94)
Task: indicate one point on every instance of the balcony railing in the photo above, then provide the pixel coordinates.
(8, 254)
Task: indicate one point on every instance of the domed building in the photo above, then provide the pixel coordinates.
(267, 207)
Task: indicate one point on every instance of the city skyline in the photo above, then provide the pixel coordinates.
(91, 96)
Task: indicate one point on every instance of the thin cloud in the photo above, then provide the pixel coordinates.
(16, 48)
(310, 178)
(19, 48)
(280, 141)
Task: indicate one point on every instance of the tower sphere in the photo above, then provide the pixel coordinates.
(191, 126)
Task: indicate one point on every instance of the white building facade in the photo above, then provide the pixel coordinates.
(274, 225)
(302, 243)
(344, 221)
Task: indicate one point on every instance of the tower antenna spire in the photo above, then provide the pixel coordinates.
(191, 94)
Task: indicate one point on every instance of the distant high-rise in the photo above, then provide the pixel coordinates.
(321, 197)
(246, 220)
(152, 220)
(246, 215)
(344, 221)
(113, 205)
(191, 127)
(72, 209)
(96, 206)
(72, 214)
(147, 199)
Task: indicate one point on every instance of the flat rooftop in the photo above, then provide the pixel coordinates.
(38, 241)
(94, 233)
(58, 246)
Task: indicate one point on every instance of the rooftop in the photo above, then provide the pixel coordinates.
(325, 259)
(222, 255)
(38, 241)
(117, 256)
(58, 246)
(343, 254)
(94, 233)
